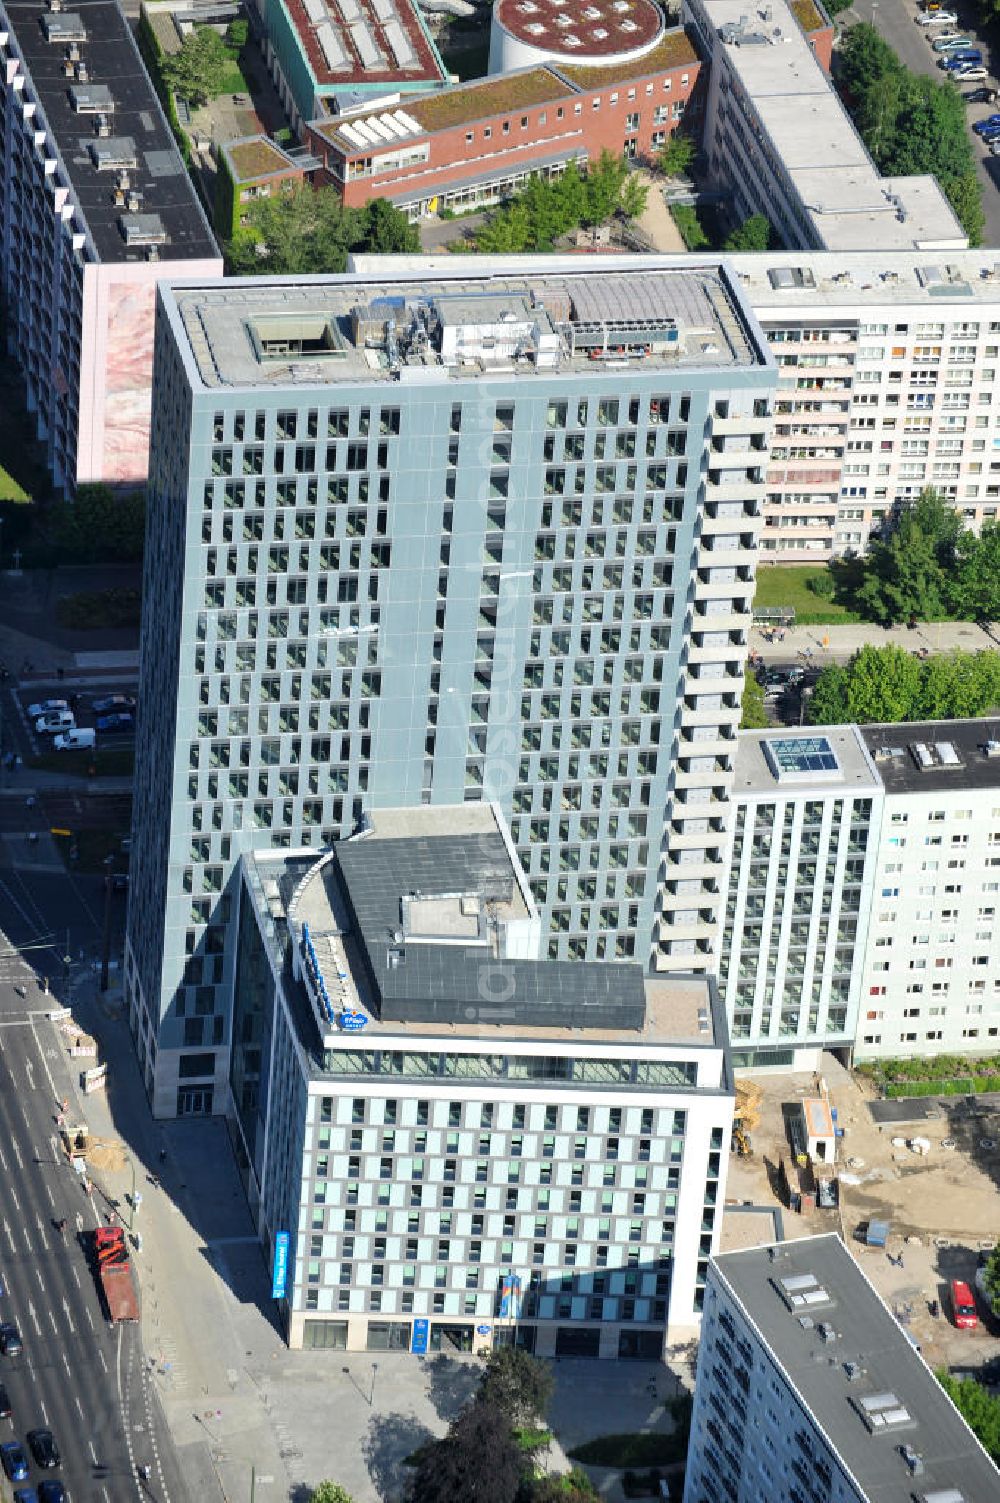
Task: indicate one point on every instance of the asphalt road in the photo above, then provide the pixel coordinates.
(895, 20)
(78, 1375)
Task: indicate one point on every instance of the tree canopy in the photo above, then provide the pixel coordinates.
(677, 154)
(478, 1458)
(929, 567)
(330, 1492)
(548, 208)
(307, 230)
(991, 1278)
(890, 684)
(197, 71)
(518, 1384)
(754, 234)
(979, 1409)
(754, 713)
(910, 123)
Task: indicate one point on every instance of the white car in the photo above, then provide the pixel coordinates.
(47, 707)
(974, 74)
(937, 18)
(55, 720)
(951, 41)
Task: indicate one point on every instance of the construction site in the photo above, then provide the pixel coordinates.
(912, 1186)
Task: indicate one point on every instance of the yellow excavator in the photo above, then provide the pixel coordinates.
(746, 1116)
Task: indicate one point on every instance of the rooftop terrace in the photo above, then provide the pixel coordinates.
(554, 317)
(114, 104)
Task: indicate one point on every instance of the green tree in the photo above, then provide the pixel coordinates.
(603, 184)
(633, 197)
(966, 198)
(909, 572)
(976, 586)
(754, 713)
(330, 1492)
(677, 155)
(197, 71)
(754, 234)
(518, 1384)
(991, 1278)
(864, 58)
(387, 229)
(100, 526)
(828, 702)
(478, 1458)
(690, 226)
(979, 1409)
(884, 684)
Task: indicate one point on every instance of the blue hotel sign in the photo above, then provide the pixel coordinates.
(279, 1276)
(418, 1343)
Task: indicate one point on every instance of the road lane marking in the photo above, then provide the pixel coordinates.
(41, 1232)
(80, 1407)
(69, 1373)
(52, 1199)
(93, 1453)
(3, 1162)
(41, 1406)
(10, 1236)
(29, 1072)
(100, 1358)
(17, 1153)
(13, 1196)
(90, 1318)
(45, 1064)
(34, 1318)
(69, 1318)
(41, 1281)
(52, 1318)
(76, 1277)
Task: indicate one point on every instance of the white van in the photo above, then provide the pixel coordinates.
(74, 740)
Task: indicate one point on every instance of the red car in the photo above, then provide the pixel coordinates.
(963, 1306)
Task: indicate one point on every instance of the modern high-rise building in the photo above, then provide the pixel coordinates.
(447, 1143)
(95, 205)
(805, 826)
(430, 539)
(930, 981)
(810, 1391)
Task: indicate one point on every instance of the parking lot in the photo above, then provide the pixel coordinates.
(40, 715)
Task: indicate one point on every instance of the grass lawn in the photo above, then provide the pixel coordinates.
(106, 761)
(788, 584)
(232, 81)
(9, 488)
(641, 1449)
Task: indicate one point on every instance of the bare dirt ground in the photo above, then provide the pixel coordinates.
(943, 1207)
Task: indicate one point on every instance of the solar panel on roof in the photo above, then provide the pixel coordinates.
(802, 754)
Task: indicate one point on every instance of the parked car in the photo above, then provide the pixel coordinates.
(11, 1344)
(51, 1491)
(937, 18)
(109, 702)
(44, 1448)
(982, 96)
(55, 720)
(951, 41)
(963, 1305)
(15, 1463)
(119, 721)
(25, 1495)
(46, 707)
(982, 126)
(73, 740)
(970, 75)
(957, 62)
(5, 1409)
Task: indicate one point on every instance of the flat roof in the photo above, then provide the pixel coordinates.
(673, 50)
(934, 755)
(598, 26)
(364, 42)
(850, 205)
(757, 761)
(865, 1333)
(254, 157)
(479, 99)
(678, 313)
(113, 65)
(941, 284)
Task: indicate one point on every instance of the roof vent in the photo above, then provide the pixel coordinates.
(882, 1412)
(852, 1371)
(943, 1495)
(801, 1291)
(142, 229)
(102, 127)
(64, 28)
(827, 1332)
(913, 1460)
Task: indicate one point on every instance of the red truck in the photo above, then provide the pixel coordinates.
(114, 1273)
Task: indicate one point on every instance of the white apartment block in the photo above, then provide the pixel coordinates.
(458, 1144)
(809, 1391)
(806, 813)
(887, 383)
(931, 978)
(780, 143)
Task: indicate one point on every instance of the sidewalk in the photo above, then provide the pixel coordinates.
(835, 644)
